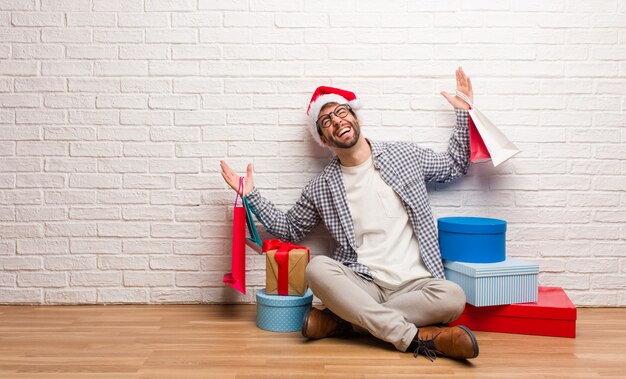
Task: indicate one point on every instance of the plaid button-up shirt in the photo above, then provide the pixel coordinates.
(404, 166)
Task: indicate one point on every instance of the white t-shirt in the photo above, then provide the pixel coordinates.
(385, 240)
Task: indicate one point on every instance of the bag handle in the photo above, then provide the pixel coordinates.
(465, 98)
(240, 192)
(255, 241)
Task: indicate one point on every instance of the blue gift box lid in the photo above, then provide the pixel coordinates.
(510, 266)
(283, 301)
(471, 225)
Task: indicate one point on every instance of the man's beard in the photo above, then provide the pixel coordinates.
(356, 133)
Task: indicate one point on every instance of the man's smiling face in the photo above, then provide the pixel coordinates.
(338, 126)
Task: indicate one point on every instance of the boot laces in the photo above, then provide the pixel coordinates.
(427, 348)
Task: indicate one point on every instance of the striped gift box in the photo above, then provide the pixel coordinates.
(509, 282)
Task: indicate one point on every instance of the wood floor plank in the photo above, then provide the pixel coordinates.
(222, 341)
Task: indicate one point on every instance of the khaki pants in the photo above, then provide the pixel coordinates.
(392, 315)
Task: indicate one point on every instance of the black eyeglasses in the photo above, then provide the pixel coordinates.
(341, 111)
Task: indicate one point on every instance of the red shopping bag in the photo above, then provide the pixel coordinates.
(237, 277)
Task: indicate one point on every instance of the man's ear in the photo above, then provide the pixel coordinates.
(324, 140)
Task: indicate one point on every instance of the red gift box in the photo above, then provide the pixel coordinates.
(553, 315)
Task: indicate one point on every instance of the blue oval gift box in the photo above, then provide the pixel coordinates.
(282, 313)
(472, 239)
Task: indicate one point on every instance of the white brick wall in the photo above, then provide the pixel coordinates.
(115, 113)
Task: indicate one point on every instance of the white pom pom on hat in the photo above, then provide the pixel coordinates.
(322, 96)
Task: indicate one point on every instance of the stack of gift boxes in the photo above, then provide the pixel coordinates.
(286, 299)
(502, 293)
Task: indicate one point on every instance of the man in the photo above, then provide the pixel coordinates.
(386, 275)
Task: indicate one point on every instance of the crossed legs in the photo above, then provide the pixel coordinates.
(390, 315)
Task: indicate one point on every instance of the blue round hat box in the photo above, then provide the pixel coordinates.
(278, 313)
(472, 239)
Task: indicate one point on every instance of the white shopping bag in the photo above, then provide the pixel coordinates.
(489, 142)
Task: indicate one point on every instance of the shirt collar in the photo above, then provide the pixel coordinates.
(334, 168)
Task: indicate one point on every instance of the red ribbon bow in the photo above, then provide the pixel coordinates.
(282, 259)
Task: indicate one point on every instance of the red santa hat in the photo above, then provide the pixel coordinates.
(322, 96)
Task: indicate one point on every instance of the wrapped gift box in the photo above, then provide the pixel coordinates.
(508, 282)
(282, 313)
(472, 239)
(552, 315)
(285, 268)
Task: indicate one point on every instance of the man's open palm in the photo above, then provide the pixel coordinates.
(463, 85)
(233, 179)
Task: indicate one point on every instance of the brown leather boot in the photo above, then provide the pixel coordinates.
(321, 324)
(454, 342)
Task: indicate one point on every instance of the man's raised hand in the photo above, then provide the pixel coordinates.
(232, 179)
(463, 85)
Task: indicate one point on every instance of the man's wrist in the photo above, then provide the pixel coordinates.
(253, 192)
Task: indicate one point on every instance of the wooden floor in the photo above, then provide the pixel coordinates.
(222, 341)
